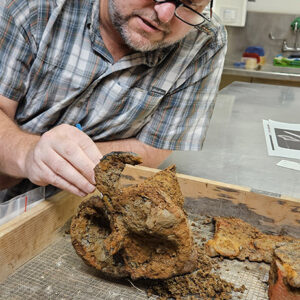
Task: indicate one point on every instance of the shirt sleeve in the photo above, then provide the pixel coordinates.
(182, 119)
(15, 55)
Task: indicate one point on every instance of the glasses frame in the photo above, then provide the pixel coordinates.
(178, 3)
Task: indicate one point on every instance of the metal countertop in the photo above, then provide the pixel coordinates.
(268, 71)
(235, 150)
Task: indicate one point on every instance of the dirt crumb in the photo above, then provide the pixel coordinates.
(208, 220)
(202, 283)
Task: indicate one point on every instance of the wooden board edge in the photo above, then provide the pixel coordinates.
(28, 234)
(146, 172)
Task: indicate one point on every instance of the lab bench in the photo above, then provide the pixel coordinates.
(235, 149)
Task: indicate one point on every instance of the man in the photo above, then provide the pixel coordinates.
(138, 75)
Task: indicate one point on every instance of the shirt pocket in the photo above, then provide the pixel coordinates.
(142, 103)
(130, 109)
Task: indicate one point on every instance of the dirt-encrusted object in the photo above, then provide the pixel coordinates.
(284, 277)
(203, 283)
(235, 238)
(139, 231)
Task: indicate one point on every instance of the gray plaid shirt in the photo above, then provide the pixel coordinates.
(54, 63)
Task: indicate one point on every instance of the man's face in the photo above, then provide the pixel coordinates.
(145, 25)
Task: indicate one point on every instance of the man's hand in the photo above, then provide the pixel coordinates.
(64, 157)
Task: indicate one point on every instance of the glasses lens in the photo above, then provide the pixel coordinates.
(189, 16)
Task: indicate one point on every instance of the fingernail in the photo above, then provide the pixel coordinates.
(81, 194)
(91, 188)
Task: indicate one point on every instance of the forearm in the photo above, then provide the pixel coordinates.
(63, 156)
(152, 157)
(14, 145)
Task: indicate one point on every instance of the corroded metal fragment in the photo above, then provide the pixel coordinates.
(235, 238)
(140, 231)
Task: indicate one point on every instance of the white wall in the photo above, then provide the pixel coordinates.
(275, 6)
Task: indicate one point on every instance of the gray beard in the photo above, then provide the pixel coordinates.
(120, 24)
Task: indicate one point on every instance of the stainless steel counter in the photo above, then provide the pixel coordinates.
(267, 71)
(235, 150)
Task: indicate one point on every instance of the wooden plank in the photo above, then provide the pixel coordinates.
(27, 235)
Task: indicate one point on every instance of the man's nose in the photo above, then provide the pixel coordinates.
(165, 11)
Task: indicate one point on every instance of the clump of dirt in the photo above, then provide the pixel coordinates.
(202, 283)
(235, 238)
(138, 231)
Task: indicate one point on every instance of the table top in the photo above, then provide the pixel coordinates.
(235, 149)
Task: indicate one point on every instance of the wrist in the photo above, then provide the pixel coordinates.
(25, 148)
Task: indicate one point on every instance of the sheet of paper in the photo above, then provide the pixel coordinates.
(282, 139)
(289, 164)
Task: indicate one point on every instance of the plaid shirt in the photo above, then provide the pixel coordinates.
(55, 64)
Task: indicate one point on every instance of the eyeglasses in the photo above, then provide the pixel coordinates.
(187, 14)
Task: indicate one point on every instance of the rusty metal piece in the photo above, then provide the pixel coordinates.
(140, 231)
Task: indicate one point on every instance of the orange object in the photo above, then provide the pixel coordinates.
(254, 55)
(279, 290)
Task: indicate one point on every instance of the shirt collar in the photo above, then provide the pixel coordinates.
(93, 25)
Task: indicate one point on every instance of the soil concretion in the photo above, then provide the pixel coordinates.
(235, 238)
(139, 231)
(204, 283)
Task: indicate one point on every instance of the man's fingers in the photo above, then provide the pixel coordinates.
(92, 152)
(75, 156)
(57, 181)
(64, 169)
(77, 148)
(64, 157)
(88, 146)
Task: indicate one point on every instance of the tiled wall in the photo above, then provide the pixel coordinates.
(256, 33)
